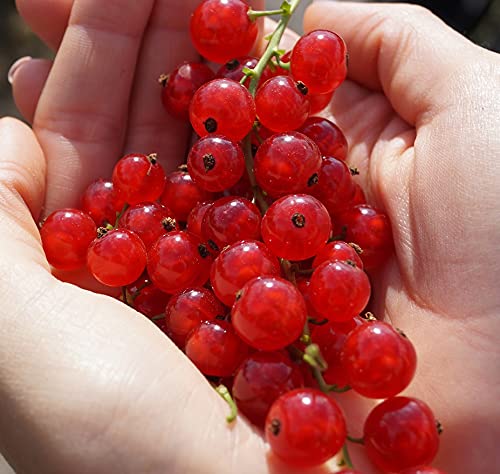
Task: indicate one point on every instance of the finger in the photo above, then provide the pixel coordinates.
(403, 50)
(47, 18)
(28, 82)
(82, 113)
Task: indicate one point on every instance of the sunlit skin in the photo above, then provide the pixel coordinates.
(420, 112)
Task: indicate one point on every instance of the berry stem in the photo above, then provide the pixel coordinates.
(224, 393)
(356, 440)
(254, 14)
(125, 296)
(346, 458)
(120, 214)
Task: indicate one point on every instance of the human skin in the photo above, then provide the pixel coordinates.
(86, 385)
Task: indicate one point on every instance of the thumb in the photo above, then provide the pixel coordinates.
(403, 50)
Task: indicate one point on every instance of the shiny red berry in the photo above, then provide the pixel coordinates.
(305, 428)
(224, 107)
(319, 102)
(338, 251)
(328, 136)
(216, 163)
(101, 202)
(287, 163)
(233, 69)
(66, 235)
(260, 380)
(296, 227)
(222, 30)
(150, 301)
(116, 258)
(319, 60)
(194, 222)
(269, 313)
(401, 433)
(180, 86)
(239, 263)
(215, 349)
(378, 360)
(423, 470)
(138, 178)
(282, 104)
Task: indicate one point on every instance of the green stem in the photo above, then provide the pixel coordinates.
(272, 46)
(257, 192)
(346, 458)
(254, 14)
(120, 214)
(224, 393)
(356, 440)
(125, 297)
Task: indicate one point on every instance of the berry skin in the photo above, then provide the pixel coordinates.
(305, 428)
(337, 251)
(239, 263)
(117, 258)
(282, 104)
(371, 230)
(224, 107)
(286, 164)
(150, 301)
(66, 235)
(319, 102)
(329, 138)
(180, 86)
(181, 194)
(215, 349)
(216, 163)
(339, 291)
(178, 260)
(189, 308)
(100, 201)
(260, 380)
(379, 362)
(400, 433)
(149, 221)
(319, 60)
(222, 30)
(138, 178)
(233, 69)
(195, 218)
(269, 313)
(296, 227)
(230, 219)
(423, 470)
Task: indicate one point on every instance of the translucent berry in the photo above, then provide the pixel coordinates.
(238, 264)
(233, 69)
(371, 230)
(194, 222)
(319, 102)
(216, 163)
(224, 107)
(305, 428)
(260, 380)
(117, 257)
(231, 219)
(319, 60)
(296, 227)
(138, 178)
(378, 360)
(328, 136)
(215, 349)
(66, 235)
(181, 84)
(401, 433)
(338, 251)
(150, 301)
(149, 221)
(222, 30)
(287, 163)
(269, 313)
(101, 202)
(177, 260)
(282, 104)
(181, 194)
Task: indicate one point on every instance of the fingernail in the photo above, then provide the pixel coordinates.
(16, 66)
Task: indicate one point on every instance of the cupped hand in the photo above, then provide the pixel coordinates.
(92, 383)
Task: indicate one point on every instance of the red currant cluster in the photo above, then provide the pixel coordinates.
(241, 255)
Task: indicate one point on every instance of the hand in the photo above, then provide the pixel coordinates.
(414, 95)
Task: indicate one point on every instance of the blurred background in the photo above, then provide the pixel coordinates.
(477, 19)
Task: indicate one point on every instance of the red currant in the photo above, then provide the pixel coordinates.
(319, 60)
(150, 301)
(224, 107)
(233, 69)
(423, 470)
(282, 104)
(319, 102)
(194, 222)
(305, 427)
(222, 30)
(100, 201)
(337, 251)
(269, 313)
(401, 433)
(117, 258)
(296, 227)
(66, 235)
(329, 138)
(379, 361)
(180, 86)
